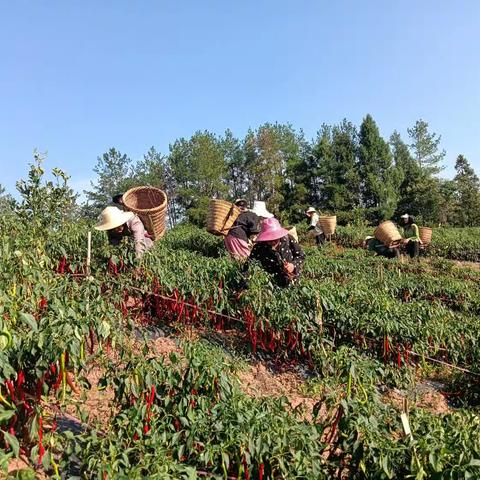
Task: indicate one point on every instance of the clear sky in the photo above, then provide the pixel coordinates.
(77, 77)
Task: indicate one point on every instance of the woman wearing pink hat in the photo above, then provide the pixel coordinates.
(278, 253)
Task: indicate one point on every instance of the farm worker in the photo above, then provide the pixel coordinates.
(119, 224)
(411, 235)
(376, 246)
(245, 226)
(118, 200)
(314, 228)
(260, 209)
(278, 253)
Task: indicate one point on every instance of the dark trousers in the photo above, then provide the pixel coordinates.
(320, 239)
(413, 249)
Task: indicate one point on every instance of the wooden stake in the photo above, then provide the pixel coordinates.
(89, 251)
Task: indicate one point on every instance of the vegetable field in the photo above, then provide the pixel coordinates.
(364, 336)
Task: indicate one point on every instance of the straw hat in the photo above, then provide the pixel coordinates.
(260, 209)
(271, 230)
(310, 210)
(113, 217)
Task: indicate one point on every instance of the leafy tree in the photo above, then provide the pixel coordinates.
(198, 168)
(45, 205)
(467, 186)
(114, 175)
(379, 179)
(7, 202)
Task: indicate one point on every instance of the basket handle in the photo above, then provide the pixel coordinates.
(230, 212)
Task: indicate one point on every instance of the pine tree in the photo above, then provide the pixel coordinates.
(425, 148)
(379, 179)
(114, 175)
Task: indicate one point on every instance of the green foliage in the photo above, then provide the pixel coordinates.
(380, 180)
(45, 204)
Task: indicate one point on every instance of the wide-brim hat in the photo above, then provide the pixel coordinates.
(310, 210)
(113, 217)
(271, 230)
(260, 209)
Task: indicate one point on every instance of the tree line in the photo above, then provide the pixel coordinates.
(345, 170)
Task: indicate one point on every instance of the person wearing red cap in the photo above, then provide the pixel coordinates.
(278, 253)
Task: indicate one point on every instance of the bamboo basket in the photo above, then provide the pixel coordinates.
(387, 233)
(328, 224)
(150, 204)
(292, 231)
(221, 216)
(425, 235)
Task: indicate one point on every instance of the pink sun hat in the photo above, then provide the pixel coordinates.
(271, 230)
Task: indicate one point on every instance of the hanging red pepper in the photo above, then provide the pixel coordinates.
(261, 468)
(41, 449)
(245, 468)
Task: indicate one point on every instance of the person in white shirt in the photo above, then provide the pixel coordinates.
(317, 232)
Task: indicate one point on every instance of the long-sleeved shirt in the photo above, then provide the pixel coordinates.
(272, 259)
(136, 230)
(313, 224)
(246, 225)
(411, 232)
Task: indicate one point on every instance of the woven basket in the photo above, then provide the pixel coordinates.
(150, 204)
(292, 231)
(387, 233)
(221, 216)
(328, 224)
(425, 235)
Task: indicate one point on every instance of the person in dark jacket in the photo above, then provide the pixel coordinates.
(374, 245)
(278, 253)
(246, 225)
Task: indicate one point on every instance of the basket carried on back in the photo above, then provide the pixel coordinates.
(387, 233)
(292, 231)
(150, 204)
(328, 224)
(221, 216)
(425, 235)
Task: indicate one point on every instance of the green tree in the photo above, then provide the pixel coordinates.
(379, 179)
(425, 148)
(45, 205)
(198, 168)
(467, 186)
(114, 175)
(236, 175)
(7, 202)
(338, 182)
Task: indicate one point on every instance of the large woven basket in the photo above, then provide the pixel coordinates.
(221, 216)
(150, 204)
(328, 224)
(425, 235)
(387, 233)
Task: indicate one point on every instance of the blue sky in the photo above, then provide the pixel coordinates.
(79, 77)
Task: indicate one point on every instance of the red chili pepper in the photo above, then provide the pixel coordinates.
(177, 424)
(261, 468)
(146, 428)
(11, 389)
(399, 357)
(245, 468)
(61, 265)
(43, 303)
(135, 437)
(41, 450)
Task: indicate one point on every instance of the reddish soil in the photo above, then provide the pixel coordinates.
(259, 382)
(430, 400)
